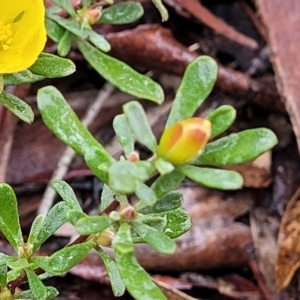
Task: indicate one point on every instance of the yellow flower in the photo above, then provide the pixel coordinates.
(22, 34)
(183, 141)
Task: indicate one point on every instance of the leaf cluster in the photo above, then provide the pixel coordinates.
(156, 217)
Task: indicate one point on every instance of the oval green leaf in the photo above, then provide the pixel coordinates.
(92, 224)
(237, 147)
(124, 176)
(146, 195)
(107, 197)
(167, 183)
(213, 178)
(156, 239)
(54, 31)
(67, 194)
(117, 284)
(99, 41)
(9, 217)
(55, 218)
(74, 215)
(139, 124)
(21, 77)
(197, 83)
(221, 119)
(67, 6)
(121, 13)
(63, 122)
(168, 202)
(65, 44)
(124, 134)
(35, 229)
(122, 242)
(65, 259)
(163, 166)
(52, 66)
(17, 106)
(121, 75)
(177, 222)
(37, 288)
(136, 279)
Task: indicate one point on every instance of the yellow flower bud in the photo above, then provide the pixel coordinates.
(183, 141)
(22, 34)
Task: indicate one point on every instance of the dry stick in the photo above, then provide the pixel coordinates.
(69, 154)
(197, 10)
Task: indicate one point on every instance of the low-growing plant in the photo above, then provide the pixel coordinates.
(188, 147)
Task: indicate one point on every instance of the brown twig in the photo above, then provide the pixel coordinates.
(197, 10)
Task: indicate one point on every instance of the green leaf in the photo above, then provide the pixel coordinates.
(168, 202)
(167, 183)
(3, 275)
(63, 122)
(177, 222)
(37, 288)
(12, 275)
(54, 31)
(146, 195)
(237, 147)
(99, 41)
(221, 119)
(67, 6)
(52, 66)
(121, 13)
(156, 239)
(154, 221)
(22, 77)
(124, 176)
(70, 25)
(213, 178)
(55, 218)
(9, 217)
(122, 242)
(124, 134)
(18, 264)
(139, 124)
(52, 293)
(92, 224)
(117, 284)
(65, 44)
(163, 166)
(17, 106)
(64, 259)
(67, 194)
(136, 279)
(121, 75)
(163, 11)
(107, 197)
(74, 215)
(197, 83)
(35, 229)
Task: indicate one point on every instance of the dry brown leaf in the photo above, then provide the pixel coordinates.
(256, 174)
(288, 256)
